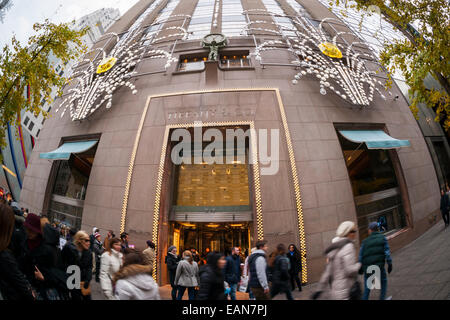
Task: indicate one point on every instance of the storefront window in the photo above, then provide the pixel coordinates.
(375, 187)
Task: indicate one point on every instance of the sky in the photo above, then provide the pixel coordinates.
(20, 18)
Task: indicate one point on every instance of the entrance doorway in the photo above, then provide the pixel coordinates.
(205, 237)
(212, 203)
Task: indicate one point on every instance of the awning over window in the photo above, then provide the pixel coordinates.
(374, 139)
(64, 151)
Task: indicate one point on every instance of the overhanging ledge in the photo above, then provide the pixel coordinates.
(66, 149)
(374, 139)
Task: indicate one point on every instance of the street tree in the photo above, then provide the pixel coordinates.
(28, 69)
(424, 52)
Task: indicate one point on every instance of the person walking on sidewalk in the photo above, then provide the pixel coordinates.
(98, 250)
(149, 253)
(280, 277)
(172, 264)
(445, 206)
(233, 271)
(341, 271)
(134, 280)
(375, 251)
(258, 271)
(187, 276)
(111, 262)
(211, 278)
(295, 259)
(246, 274)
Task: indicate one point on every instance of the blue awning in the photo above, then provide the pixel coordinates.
(64, 151)
(374, 139)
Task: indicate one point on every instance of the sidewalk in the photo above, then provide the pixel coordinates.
(421, 271)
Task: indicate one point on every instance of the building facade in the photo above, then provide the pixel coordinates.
(343, 148)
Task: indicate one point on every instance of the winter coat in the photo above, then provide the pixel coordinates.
(341, 271)
(70, 256)
(258, 270)
(211, 280)
(43, 256)
(135, 282)
(295, 261)
(211, 284)
(110, 264)
(280, 275)
(13, 283)
(149, 256)
(373, 251)
(172, 263)
(187, 274)
(233, 269)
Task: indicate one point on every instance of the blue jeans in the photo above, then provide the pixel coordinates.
(233, 288)
(191, 292)
(383, 281)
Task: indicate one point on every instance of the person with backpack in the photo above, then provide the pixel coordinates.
(233, 271)
(258, 271)
(375, 251)
(172, 264)
(295, 260)
(339, 281)
(280, 266)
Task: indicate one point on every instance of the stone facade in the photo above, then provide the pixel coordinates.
(325, 188)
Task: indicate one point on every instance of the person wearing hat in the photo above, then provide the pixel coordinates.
(375, 251)
(172, 263)
(39, 260)
(341, 271)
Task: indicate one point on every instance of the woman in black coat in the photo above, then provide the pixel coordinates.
(13, 283)
(211, 278)
(78, 253)
(295, 259)
(39, 261)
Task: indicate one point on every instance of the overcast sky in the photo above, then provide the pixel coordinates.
(24, 13)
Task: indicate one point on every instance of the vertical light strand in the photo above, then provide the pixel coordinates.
(158, 198)
(298, 200)
(131, 166)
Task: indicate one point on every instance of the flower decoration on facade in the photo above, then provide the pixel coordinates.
(98, 82)
(319, 55)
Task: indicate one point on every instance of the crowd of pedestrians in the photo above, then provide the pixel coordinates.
(36, 255)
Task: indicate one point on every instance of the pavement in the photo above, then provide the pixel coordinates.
(421, 271)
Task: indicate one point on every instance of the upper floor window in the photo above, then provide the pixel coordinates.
(200, 24)
(192, 63)
(233, 21)
(235, 60)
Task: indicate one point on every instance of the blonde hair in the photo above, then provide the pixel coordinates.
(79, 236)
(252, 250)
(188, 253)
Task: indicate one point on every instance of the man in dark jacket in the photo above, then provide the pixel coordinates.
(172, 264)
(233, 271)
(258, 271)
(375, 252)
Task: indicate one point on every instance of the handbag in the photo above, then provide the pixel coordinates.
(85, 292)
(355, 291)
(244, 284)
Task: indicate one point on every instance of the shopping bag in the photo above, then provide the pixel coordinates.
(244, 284)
